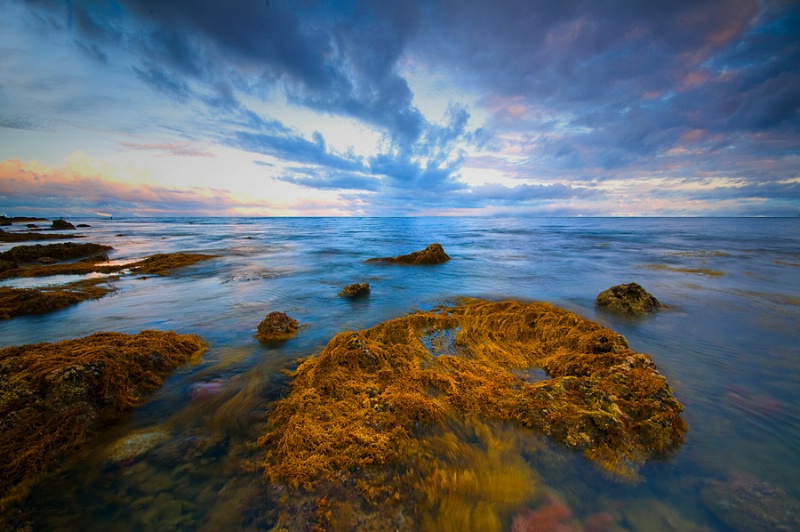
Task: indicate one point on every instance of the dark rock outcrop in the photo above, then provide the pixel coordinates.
(629, 298)
(355, 290)
(66, 251)
(433, 254)
(61, 225)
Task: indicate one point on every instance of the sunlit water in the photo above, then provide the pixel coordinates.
(728, 344)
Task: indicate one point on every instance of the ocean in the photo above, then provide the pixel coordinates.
(728, 343)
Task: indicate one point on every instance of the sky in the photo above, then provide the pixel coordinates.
(400, 108)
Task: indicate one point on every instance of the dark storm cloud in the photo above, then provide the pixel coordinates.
(574, 89)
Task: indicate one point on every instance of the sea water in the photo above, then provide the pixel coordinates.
(728, 343)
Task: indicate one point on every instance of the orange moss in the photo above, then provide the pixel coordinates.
(21, 301)
(433, 254)
(54, 397)
(366, 401)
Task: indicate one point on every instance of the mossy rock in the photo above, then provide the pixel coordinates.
(59, 252)
(54, 397)
(355, 290)
(629, 298)
(370, 399)
(23, 301)
(433, 254)
(276, 327)
(61, 225)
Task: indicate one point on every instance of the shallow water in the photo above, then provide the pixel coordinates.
(728, 344)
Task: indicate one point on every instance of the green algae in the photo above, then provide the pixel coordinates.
(54, 397)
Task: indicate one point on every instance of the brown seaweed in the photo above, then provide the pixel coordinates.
(366, 401)
(54, 397)
(22, 301)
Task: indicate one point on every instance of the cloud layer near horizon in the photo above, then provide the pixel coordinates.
(381, 108)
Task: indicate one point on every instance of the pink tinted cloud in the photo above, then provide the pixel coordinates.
(172, 149)
(35, 185)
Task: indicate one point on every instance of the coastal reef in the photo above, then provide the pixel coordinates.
(61, 225)
(54, 397)
(276, 327)
(367, 408)
(355, 290)
(65, 251)
(433, 254)
(629, 298)
(6, 236)
(22, 301)
(164, 263)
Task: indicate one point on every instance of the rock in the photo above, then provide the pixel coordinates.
(61, 225)
(433, 254)
(65, 251)
(84, 225)
(750, 504)
(7, 265)
(276, 327)
(651, 515)
(630, 298)
(132, 446)
(46, 260)
(31, 226)
(355, 290)
(100, 257)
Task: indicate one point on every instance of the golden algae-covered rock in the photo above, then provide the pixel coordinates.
(21, 301)
(164, 263)
(355, 290)
(372, 399)
(56, 396)
(433, 254)
(630, 298)
(276, 327)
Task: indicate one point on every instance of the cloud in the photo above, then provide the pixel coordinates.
(175, 149)
(34, 187)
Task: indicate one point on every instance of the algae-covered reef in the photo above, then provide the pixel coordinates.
(56, 396)
(22, 301)
(629, 298)
(433, 254)
(5, 236)
(164, 263)
(276, 327)
(66, 251)
(370, 396)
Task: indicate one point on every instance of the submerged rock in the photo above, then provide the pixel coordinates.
(134, 445)
(433, 254)
(55, 397)
(749, 504)
(630, 298)
(276, 327)
(355, 290)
